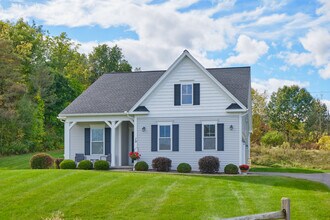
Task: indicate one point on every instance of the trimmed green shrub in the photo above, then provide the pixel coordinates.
(41, 161)
(141, 166)
(57, 162)
(68, 164)
(272, 138)
(162, 164)
(209, 164)
(231, 169)
(85, 165)
(184, 168)
(101, 165)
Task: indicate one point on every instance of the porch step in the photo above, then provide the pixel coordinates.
(122, 167)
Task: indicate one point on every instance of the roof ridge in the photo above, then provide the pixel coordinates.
(234, 67)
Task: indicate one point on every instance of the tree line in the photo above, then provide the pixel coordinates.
(291, 117)
(40, 75)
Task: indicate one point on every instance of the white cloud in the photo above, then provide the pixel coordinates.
(317, 44)
(327, 103)
(325, 72)
(272, 85)
(249, 51)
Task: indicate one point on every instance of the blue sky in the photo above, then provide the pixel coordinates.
(285, 42)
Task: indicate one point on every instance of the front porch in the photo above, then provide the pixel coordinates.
(96, 138)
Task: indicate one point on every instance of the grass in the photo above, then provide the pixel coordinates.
(38, 194)
(290, 158)
(16, 162)
(286, 170)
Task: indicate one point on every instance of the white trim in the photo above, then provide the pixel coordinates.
(113, 143)
(236, 110)
(240, 138)
(91, 140)
(215, 123)
(135, 134)
(158, 134)
(169, 70)
(72, 124)
(63, 116)
(192, 94)
(119, 143)
(67, 140)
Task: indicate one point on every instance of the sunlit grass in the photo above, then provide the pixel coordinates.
(36, 194)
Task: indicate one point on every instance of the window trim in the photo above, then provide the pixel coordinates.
(171, 135)
(215, 134)
(91, 140)
(192, 93)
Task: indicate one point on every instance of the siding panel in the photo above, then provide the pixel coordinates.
(187, 151)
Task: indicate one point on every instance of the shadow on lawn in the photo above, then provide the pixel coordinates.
(275, 181)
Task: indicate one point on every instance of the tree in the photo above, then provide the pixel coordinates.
(259, 124)
(288, 109)
(105, 59)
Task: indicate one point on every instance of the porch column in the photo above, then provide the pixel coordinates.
(66, 140)
(135, 133)
(113, 141)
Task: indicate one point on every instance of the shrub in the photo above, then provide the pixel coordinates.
(141, 166)
(57, 162)
(68, 164)
(41, 161)
(184, 168)
(244, 167)
(209, 164)
(272, 138)
(162, 164)
(231, 169)
(324, 143)
(101, 165)
(85, 165)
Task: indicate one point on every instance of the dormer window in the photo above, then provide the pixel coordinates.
(187, 94)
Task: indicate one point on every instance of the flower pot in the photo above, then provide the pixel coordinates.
(244, 172)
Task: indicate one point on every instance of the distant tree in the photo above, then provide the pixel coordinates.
(259, 124)
(105, 59)
(288, 108)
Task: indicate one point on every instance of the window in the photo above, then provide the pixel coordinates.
(209, 138)
(186, 94)
(97, 143)
(165, 137)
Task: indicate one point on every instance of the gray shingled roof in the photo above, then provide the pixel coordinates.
(119, 92)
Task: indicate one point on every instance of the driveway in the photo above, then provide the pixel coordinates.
(317, 177)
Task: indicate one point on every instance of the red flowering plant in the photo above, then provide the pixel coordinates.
(134, 155)
(244, 167)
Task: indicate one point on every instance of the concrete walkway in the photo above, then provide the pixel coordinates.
(317, 177)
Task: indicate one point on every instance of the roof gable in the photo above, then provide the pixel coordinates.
(120, 92)
(174, 65)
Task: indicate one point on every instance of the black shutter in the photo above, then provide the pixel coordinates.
(107, 141)
(220, 137)
(175, 142)
(196, 94)
(177, 94)
(198, 137)
(154, 137)
(87, 141)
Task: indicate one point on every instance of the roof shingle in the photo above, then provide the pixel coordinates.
(119, 92)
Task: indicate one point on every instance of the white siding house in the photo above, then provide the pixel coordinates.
(183, 113)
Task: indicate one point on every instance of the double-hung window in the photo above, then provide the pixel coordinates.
(209, 137)
(97, 141)
(165, 137)
(186, 94)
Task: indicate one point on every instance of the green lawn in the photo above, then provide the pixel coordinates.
(22, 161)
(286, 170)
(36, 194)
